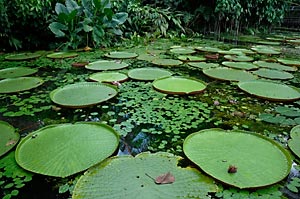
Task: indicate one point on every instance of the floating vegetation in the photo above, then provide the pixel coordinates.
(109, 77)
(120, 55)
(229, 74)
(9, 138)
(148, 74)
(16, 72)
(23, 56)
(13, 85)
(62, 55)
(106, 65)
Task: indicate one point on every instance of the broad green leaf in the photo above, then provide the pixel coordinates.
(60, 8)
(294, 142)
(57, 28)
(9, 138)
(71, 5)
(12, 85)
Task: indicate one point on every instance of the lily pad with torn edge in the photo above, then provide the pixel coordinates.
(65, 149)
(12, 85)
(294, 141)
(238, 158)
(179, 85)
(83, 94)
(127, 177)
(148, 73)
(9, 138)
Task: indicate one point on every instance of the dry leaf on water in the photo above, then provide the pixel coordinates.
(167, 178)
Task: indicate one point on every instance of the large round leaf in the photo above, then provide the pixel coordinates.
(179, 85)
(270, 90)
(182, 51)
(273, 74)
(106, 65)
(191, 58)
(294, 141)
(62, 55)
(17, 84)
(9, 138)
(289, 62)
(83, 94)
(22, 56)
(127, 177)
(241, 159)
(108, 77)
(265, 50)
(273, 65)
(228, 74)
(16, 72)
(239, 58)
(208, 49)
(166, 62)
(203, 65)
(121, 55)
(148, 74)
(240, 65)
(242, 51)
(65, 149)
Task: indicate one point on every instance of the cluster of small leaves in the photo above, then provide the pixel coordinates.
(269, 192)
(294, 185)
(12, 177)
(156, 114)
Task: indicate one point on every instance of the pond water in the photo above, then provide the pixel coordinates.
(151, 120)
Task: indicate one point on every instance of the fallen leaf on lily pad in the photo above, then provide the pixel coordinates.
(167, 178)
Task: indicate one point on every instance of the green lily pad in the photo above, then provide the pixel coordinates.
(294, 41)
(147, 57)
(16, 72)
(228, 52)
(270, 90)
(294, 141)
(273, 74)
(179, 85)
(121, 55)
(276, 66)
(166, 62)
(22, 56)
(106, 65)
(238, 158)
(12, 85)
(9, 138)
(148, 74)
(238, 58)
(273, 43)
(240, 65)
(208, 49)
(127, 177)
(243, 51)
(203, 65)
(182, 51)
(62, 55)
(191, 58)
(289, 62)
(267, 50)
(65, 149)
(229, 74)
(108, 77)
(83, 94)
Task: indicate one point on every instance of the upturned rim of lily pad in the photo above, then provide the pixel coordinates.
(17, 84)
(9, 137)
(238, 158)
(62, 150)
(121, 55)
(83, 94)
(179, 85)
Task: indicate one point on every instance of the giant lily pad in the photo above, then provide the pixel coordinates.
(267, 50)
(148, 74)
(270, 90)
(22, 56)
(242, 51)
(16, 72)
(83, 94)
(179, 85)
(273, 65)
(240, 65)
(62, 55)
(289, 62)
(273, 74)
(9, 138)
(208, 49)
(238, 58)
(18, 84)
(166, 62)
(229, 74)
(191, 58)
(203, 65)
(238, 158)
(109, 77)
(127, 177)
(65, 149)
(121, 55)
(294, 142)
(106, 65)
(182, 51)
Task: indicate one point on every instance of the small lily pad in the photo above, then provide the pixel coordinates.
(238, 158)
(191, 58)
(148, 74)
(229, 74)
(83, 94)
(289, 62)
(166, 62)
(16, 72)
(240, 65)
(120, 55)
(270, 90)
(127, 177)
(294, 141)
(62, 55)
(22, 56)
(179, 85)
(203, 65)
(182, 51)
(9, 138)
(12, 85)
(274, 65)
(65, 149)
(273, 74)
(238, 58)
(108, 77)
(106, 65)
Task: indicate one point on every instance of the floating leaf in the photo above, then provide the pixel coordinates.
(148, 74)
(265, 50)
(208, 49)
(182, 51)
(65, 149)
(238, 58)
(12, 85)
(166, 62)
(108, 77)
(294, 142)
(203, 65)
(276, 66)
(289, 62)
(16, 72)
(62, 55)
(273, 74)
(243, 51)
(22, 56)
(125, 177)
(9, 138)
(229, 74)
(83, 94)
(259, 161)
(191, 58)
(121, 55)
(240, 65)
(106, 65)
